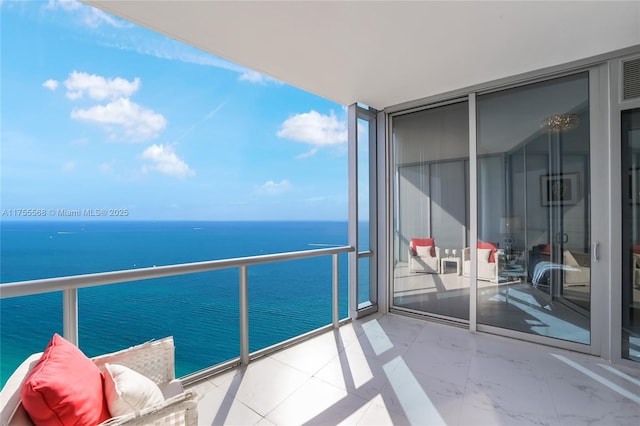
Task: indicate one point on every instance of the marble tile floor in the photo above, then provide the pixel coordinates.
(396, 370)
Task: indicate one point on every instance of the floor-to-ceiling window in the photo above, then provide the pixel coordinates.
(630, 261)
(362, 204)
(431, 210)
(366, 199)
(533, 257)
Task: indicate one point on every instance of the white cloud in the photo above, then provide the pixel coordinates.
(256, 77)
(315, 129)
(172, 50)
(251, 76)
(69, 166)
(99, 88)
(165, 161)
(145, 44)
(50, 84)
(166, 48)
(87, 15)
(107, 167)
(138, 123)
(307, 154)
(275, 188)
(94, 18)
(67, 5)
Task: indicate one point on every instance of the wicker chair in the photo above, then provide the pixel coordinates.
(154, 360)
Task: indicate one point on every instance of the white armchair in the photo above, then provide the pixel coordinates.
(423, 259)
(488, 270)
(154, 360)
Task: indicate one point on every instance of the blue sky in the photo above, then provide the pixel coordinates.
(98, 113)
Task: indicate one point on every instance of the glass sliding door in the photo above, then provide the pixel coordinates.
(630, 261)
(534, 209)
(431, 210)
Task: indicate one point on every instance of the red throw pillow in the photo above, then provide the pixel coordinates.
(415, 242)
(636, 249)
(64, 388)
(483, 245)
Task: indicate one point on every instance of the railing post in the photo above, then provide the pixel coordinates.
(70, 315)
(335, 292)
(244, 316)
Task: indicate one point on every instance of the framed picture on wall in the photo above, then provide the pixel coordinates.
(559, 190)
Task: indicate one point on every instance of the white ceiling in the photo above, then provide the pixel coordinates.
(384, 53)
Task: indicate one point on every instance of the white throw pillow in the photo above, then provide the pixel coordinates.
(127, 391)
(424, 251)
(483, 255)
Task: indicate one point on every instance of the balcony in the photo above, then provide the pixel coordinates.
(383, 369)
(397, 370)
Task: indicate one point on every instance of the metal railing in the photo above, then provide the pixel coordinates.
(70, 285)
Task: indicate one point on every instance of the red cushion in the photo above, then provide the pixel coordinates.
(64, 388)
(636, 249)
(415, 242)
(483, 245)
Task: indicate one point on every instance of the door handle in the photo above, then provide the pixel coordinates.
(562, 238)
(596, 251)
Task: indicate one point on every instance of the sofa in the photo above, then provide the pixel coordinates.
(489, 261)
(575, 267)
(424, 256)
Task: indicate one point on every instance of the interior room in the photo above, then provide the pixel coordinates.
(533, 218)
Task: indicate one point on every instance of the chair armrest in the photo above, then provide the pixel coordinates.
(179, 410)
(10, 394)
(154, 359)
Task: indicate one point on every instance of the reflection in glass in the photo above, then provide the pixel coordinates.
(534, 209)
(631, 234)
(431, 210)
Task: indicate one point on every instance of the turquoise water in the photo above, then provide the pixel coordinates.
(199, 310)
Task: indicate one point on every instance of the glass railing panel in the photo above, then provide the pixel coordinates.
(287, 296)
(364, 264)
(287, 299)
(199, 310)
(26, 326)
(343, 288)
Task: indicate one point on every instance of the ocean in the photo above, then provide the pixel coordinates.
(200, 310)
